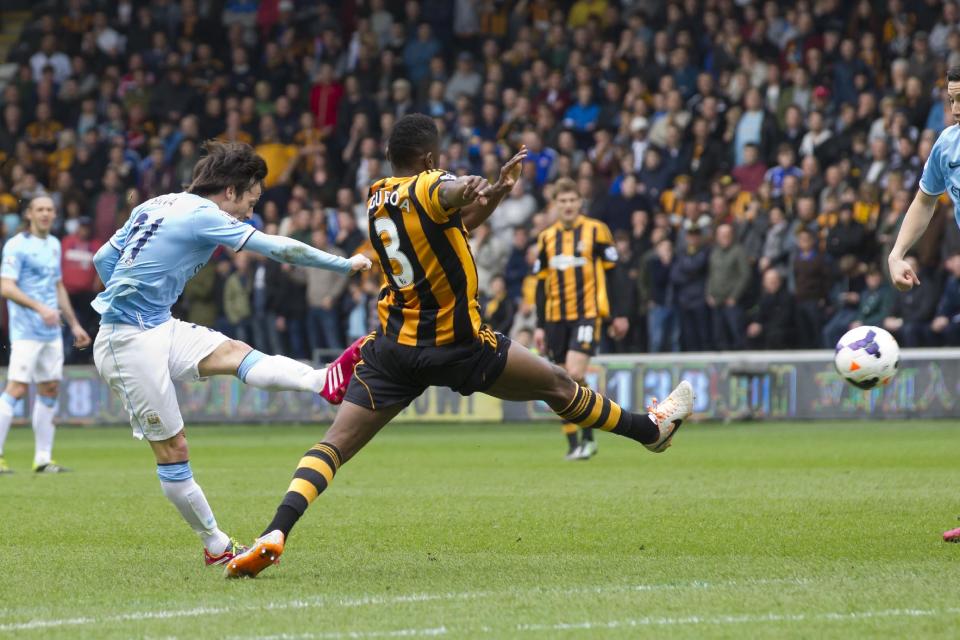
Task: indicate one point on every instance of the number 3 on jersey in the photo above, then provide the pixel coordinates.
(387, 230)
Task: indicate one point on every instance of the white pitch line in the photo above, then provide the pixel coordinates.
(346, 602)
(617, 624)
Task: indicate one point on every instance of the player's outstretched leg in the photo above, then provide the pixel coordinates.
(280, 373)
(528, 377)
(353, 428)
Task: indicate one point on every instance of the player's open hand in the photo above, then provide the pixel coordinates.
(476, 189)
(49, 315)
(81, 339)
(510, 172)
(359, 263)
(902, 274)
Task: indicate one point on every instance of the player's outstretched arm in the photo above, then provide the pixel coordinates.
(290, 251)
(478, 211)
(10, 291)
(463, 191)
(914, 224)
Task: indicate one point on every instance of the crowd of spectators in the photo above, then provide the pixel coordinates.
(753, 159)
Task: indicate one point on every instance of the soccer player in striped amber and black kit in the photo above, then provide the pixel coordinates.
(575, 254)
(430, 332)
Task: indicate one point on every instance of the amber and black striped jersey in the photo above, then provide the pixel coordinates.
(429, 294)
(572, 265)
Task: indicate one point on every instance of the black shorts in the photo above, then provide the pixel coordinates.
(571, 335)
(391, 374)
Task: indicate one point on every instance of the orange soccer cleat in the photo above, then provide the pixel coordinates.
(264, 552)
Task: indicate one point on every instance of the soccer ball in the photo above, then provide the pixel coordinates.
(867, 356)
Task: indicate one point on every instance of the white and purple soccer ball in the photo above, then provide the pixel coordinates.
(867, 356)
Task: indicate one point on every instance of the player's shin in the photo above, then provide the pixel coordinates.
(589, 410)
(7, 402)
(176, 480)
(279, 373)
(313, 475)
(44, 409)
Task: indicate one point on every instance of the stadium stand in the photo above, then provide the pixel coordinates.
(795, 131)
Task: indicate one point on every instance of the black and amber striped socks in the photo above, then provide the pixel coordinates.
(589, 410)
(314, 474)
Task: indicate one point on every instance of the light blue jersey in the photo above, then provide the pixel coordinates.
(35, 265)
(166, 241)
(942, 170)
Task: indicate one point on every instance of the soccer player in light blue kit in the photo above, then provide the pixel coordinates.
(941, 174)
(140, 349)
(36, 299)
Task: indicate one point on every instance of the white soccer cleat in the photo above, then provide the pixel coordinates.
(588, 449)
(670, 414)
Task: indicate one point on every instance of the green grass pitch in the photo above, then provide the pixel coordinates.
(462, 531)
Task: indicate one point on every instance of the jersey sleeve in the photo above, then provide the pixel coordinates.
(606, 250)
(932, 181)
(216, 227)
(119, 237)
(12, 260)
(427, 190)
(58, 261)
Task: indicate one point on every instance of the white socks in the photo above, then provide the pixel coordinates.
(279, 373)
(176, 480)
(44, 408)
(6, 417)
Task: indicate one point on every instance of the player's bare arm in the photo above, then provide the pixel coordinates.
(914, 224)
(477, 213)
(465, 190)
(10, 291)
(81, 339)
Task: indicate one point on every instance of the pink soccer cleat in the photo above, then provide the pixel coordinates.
(340, 371)
(952, 536)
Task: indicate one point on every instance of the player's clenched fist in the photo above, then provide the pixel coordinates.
(903, 276)
(359, 263)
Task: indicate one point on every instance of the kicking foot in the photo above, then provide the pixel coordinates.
(670, 414)
(50, 467)
(951, 536)
(233, 549)
(340, 371)
(265, 551)
(4, 467)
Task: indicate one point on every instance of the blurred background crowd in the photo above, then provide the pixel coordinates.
(753, 159)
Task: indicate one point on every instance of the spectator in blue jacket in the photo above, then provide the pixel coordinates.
(688, 275)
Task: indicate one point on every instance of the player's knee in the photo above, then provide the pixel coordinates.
(16, 389)
(49, 389)
(172, 449)
(558, 395)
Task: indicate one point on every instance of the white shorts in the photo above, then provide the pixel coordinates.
(141, 365)
(33, 361)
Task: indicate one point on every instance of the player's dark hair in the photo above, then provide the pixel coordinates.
(227, 164)
(953, 74)
(412, 136)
